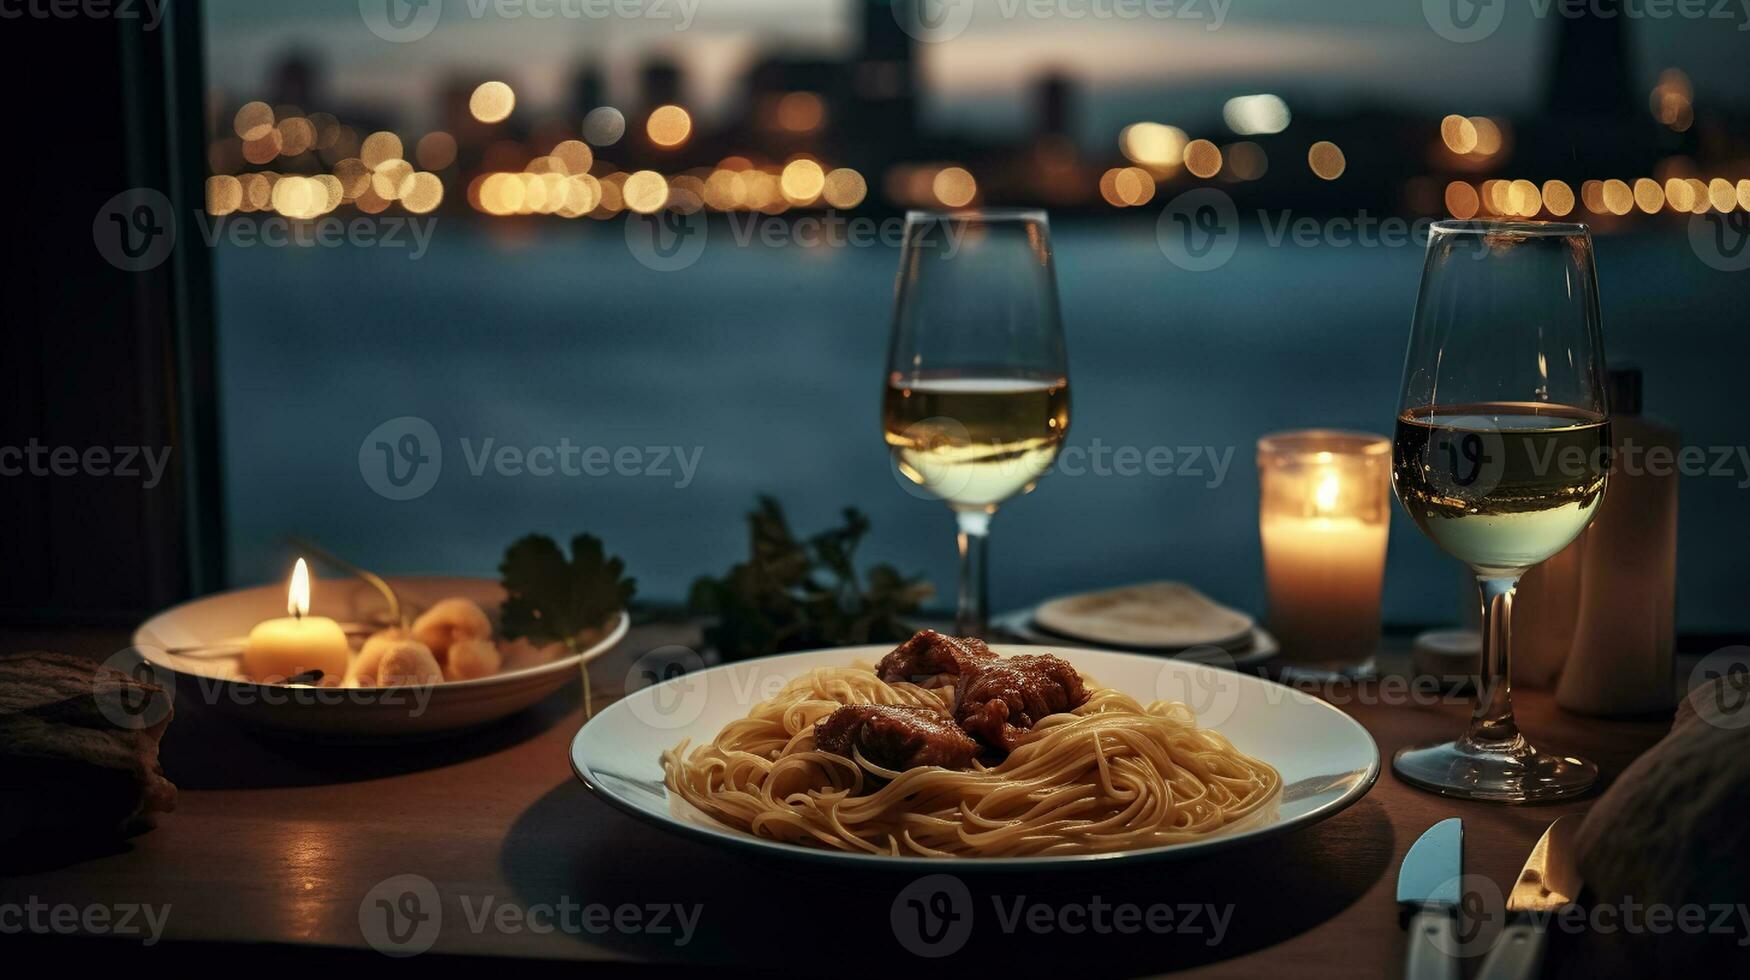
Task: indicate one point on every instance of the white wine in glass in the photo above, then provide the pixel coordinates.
(976, 403)
(1544, 490)
(972, 441)
(1501, 458)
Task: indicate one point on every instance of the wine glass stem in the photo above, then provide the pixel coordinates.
(1493, 720)
(974, 537)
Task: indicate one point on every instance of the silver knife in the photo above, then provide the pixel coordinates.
(1428, 884)
(1548, 884)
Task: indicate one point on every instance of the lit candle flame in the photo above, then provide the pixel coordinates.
(1325, 497)
(298, 596)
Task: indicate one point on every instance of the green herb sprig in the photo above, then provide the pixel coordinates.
(551, 598)
(799, 594)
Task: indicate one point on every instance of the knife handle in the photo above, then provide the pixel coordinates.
(1517, 955)
(1433, 941)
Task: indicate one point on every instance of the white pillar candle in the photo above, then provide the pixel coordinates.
(282, 648)
(1323, 518)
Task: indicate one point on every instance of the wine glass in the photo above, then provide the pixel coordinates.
(1501, 458)
(977, 396)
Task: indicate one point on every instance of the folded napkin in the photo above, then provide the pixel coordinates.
(1674, 831)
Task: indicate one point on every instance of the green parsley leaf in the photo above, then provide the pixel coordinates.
(548, 597)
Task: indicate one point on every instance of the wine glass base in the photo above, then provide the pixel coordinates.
(1509, 771)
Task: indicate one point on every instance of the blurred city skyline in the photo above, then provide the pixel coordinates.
(1332, 59)
(821, 107)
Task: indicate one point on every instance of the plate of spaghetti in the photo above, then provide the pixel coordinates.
(944, 749)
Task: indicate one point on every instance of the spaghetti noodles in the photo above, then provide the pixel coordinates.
(1111, 775)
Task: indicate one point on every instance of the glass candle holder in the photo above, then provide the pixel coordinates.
(1324, 511)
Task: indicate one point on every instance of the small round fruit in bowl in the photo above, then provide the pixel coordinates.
(451, 641)
(451, 667)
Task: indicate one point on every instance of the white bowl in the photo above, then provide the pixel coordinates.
(343, 713)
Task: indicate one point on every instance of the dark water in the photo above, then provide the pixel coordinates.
(767, 363)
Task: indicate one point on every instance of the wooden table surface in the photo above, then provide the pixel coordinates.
(281, 843)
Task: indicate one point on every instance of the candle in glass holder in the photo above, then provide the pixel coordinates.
(282, 648)
(1324, 508)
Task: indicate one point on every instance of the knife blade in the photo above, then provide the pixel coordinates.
(1428, 884)
(1548, 883)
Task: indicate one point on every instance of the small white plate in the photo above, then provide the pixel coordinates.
(1327, 760)
(1259, 649)
(344, 713)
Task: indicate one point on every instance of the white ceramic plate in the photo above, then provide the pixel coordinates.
(1326, 758)
(1259, 649)
(345, 713)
